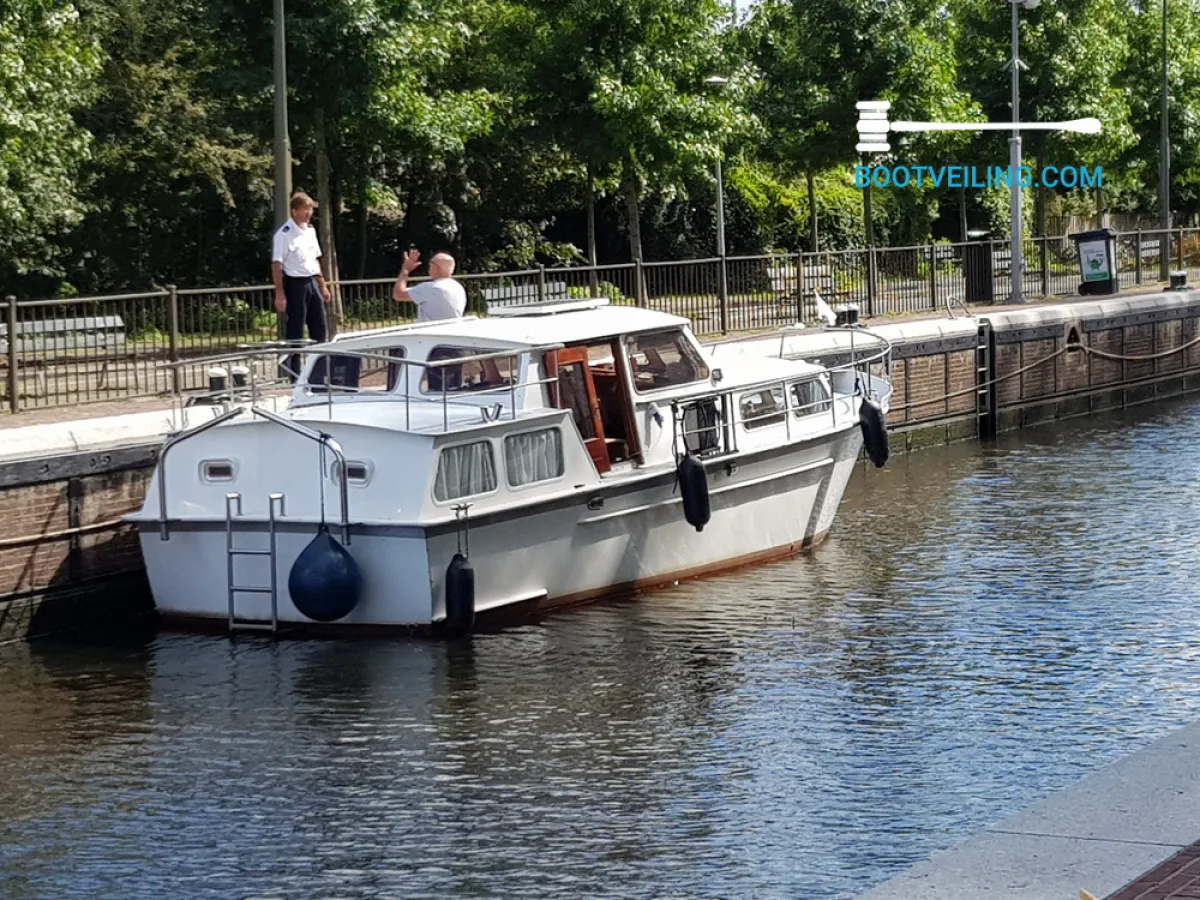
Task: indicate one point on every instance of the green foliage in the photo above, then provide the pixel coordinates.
(1141, 79)
(136, 135)
(47, 68)
(373, 309)
(232, 315)
(603, 289)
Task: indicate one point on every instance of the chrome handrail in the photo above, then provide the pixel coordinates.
(328, 441)
(162, 463)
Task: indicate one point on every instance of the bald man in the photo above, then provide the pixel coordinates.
(439, 298)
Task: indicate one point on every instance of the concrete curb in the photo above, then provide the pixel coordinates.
(1097, 835)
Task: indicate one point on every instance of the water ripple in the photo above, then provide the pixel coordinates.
(985, 626)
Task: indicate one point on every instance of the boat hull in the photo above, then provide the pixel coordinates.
(625, 536)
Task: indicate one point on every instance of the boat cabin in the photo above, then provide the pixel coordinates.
(617, 369)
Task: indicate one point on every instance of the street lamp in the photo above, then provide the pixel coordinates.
(283, 150)
(1014, 148)
(720, 81)
(1164, 164)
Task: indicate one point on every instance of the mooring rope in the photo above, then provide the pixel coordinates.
(975, 388)
(1094, 351)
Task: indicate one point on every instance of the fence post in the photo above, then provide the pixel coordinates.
(1045, 264)
(1180, 255)
(933, 297)
(173, 333)
(541, 294)
(1137, 249)
(14, 390)
(800, 286)
(723, 299)
(639, 289)
(871, 282)
(1164, 255)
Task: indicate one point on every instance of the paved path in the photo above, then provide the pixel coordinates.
(1175, 878)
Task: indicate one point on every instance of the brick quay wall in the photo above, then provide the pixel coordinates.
(64, 562)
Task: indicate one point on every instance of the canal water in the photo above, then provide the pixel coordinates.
(986, 625)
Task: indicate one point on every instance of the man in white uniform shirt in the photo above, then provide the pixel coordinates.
(440, 298)
(296, 271)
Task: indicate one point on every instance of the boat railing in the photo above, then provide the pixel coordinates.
(881, 355)
(325, 440)
(721, 405)
(285, 348)
(873, 353)
(172, 442)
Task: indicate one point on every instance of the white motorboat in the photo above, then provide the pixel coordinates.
(435, 474)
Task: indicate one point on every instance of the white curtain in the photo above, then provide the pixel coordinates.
(465, 469)
(533, 456)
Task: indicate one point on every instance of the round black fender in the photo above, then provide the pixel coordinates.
(874, 429)
(325, 581)
(693, 485)
(460, 594)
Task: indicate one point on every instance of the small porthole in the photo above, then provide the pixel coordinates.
(217, 470)
(356, 472)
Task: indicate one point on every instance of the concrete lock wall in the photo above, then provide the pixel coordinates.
(64, 562)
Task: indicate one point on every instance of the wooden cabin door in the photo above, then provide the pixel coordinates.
(577, 392)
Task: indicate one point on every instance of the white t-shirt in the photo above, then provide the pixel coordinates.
(297, 248)
(442, 298)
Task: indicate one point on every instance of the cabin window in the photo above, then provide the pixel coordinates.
(533, 456)
(216, 470)
(663, 359)
(477, 375)
(357, 473)
(763, 407)
(463, 470)
(809, 398)
(350, 374)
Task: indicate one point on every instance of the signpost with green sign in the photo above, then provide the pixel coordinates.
(1097, 261)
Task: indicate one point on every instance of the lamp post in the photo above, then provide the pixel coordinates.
(1164, 165)
(719, 81)
(283, 149)
(1014, 151)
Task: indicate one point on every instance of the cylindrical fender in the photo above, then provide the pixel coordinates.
(874, 429)
(693, 485)
(460, 594)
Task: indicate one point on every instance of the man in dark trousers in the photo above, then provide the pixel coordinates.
(296, 270)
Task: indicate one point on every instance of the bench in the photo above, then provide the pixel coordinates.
(525, 293)
(94, 338)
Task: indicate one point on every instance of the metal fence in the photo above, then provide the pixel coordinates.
(79, 350)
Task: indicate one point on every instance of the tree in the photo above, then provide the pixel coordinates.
(623, 87)
(1141, 81)
(1074, 52)
(177, 191)
(818, 58)
(47, 67)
